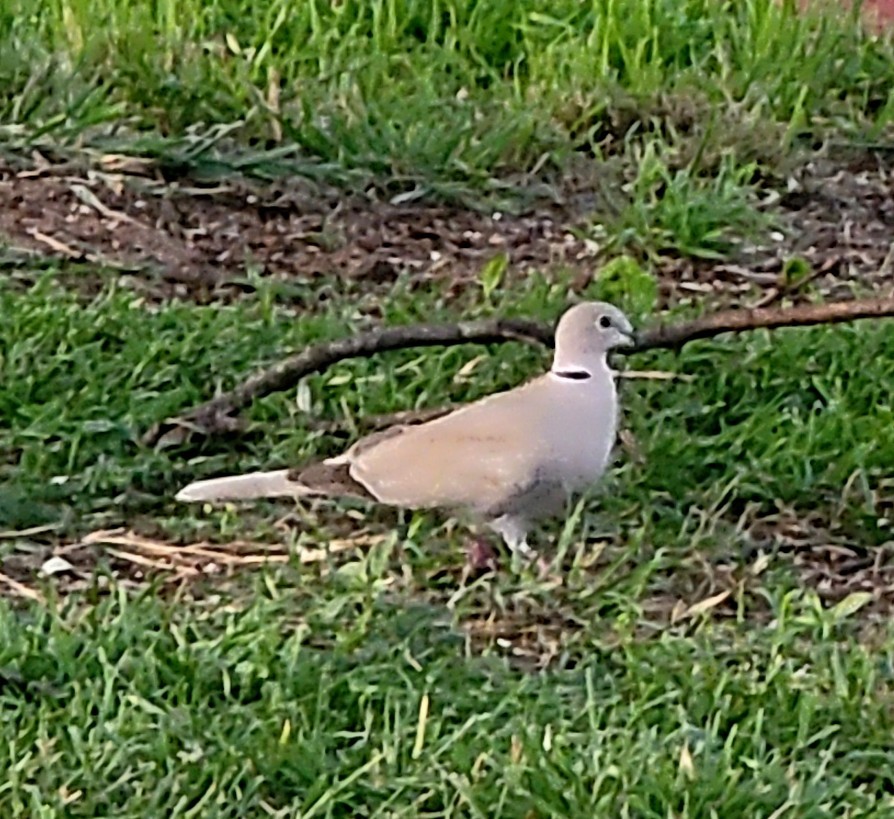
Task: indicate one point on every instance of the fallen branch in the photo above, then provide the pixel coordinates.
(734, 321)
(219, 414)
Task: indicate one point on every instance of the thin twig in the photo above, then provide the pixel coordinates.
(30, 531)
(92, 200)
(215, 552)
(59, 247)
(21, 589)
(149, 563)
(228, 554)
(219, 414)
(653, 375)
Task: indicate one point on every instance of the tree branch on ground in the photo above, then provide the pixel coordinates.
(769, 318)
(219, 415)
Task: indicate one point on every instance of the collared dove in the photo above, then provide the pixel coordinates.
(511, 459)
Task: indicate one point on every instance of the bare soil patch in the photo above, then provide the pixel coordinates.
(186, 240)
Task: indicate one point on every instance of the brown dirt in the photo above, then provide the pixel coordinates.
(879, 14)
(837, 216)
(184, 240)
(192, 242)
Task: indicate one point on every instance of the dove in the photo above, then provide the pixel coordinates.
(510, 459)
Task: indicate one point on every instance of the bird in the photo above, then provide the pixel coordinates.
(511, 459)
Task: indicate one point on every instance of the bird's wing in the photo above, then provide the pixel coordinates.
(476, 456)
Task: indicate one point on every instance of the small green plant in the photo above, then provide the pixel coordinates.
(623, 281)
(796, 272)
(682, 212)
(492, 274)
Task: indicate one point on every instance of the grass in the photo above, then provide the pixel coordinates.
(346, 91)
(302, 691)
(135, 709)
(707, 652)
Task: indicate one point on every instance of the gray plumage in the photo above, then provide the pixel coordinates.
(511, 459)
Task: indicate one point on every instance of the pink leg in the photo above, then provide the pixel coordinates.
(481, 557)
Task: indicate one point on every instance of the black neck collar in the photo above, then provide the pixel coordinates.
(573, 375)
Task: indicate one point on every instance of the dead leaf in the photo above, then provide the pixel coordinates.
(707, 604)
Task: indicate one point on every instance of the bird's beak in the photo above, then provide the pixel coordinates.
(631, 339)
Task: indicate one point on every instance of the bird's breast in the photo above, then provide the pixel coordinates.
(586, 426)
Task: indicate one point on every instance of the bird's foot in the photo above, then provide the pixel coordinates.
(544, 567)
(481, 557)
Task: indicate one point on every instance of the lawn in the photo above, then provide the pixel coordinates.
(191, 191)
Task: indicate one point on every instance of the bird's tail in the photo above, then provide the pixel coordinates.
(245, 487)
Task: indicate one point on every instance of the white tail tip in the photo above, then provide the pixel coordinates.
(243, 487)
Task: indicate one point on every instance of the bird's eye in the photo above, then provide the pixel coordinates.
(605, 322)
